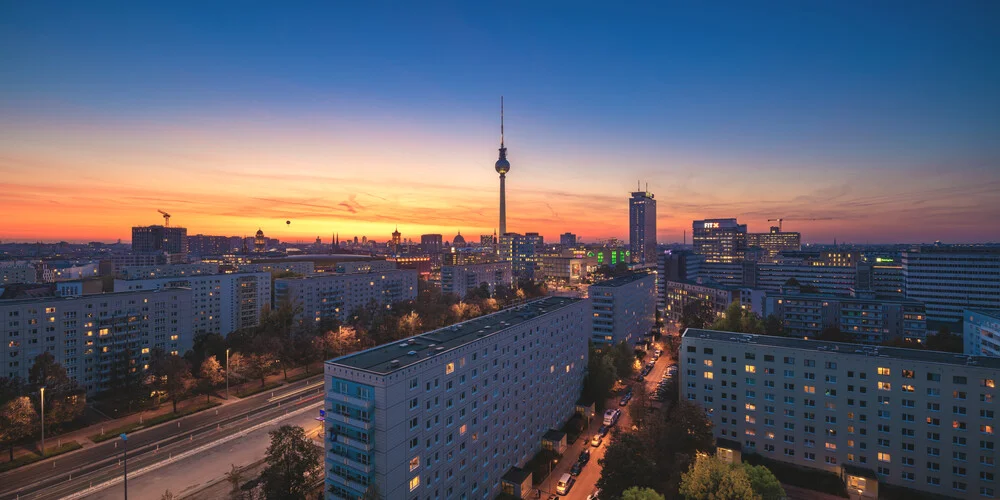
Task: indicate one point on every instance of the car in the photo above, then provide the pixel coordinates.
(565, 484)
(584, 457)
(576, 469)
(658, 353)
(603, 431)
(596, 440)
(624, 401)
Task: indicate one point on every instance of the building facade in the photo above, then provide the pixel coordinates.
(446, 414)
(952, 279)
(220, 303)
(17, 272)
(328, 297)
(431, 243)
(89, 335)
(365, 266)
(982, 332)
(521, 251)
(149, 239)
(870, 319)
(567, 240)
(623, 309)
(166, 271)
(642, 228)
(884, 276)
(680, 293)
(719, 240)
(917, 419)
(774, 242)
(826, 279)
(460, 280)
(569, 270)
(674, 265)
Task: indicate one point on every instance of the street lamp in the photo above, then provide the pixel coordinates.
(125, 462)
(227, 374)
(43, 420)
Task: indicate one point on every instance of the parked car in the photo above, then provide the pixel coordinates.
(658, 353)
(576, 469)
(584, 456)
(624, 401)
(596, 440)
(603, 431)
(565, 483)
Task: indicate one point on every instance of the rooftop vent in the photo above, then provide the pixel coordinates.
(394, 363)
(439, 349)
(404, 344)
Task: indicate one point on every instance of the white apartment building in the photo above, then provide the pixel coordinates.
(220, 303)
(167, 271)
(459, 280)
(447, 413)
(951, 279)
(826, 278)
(17, 272)
(335, 296)
(305, 267)
(85, 334)
(623, 309)
(365, 266)
(982, 332)
(917, 419)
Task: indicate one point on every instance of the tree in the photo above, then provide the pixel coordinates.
(601, 377)
(944, 340)
(763, 482)
(234, 477)
(170, 374)
(626, 463)
(410, 324)
(257, 366)
(640, 404)
(637, 493)
(206, 345)
(833, 334)
(237, 367)
(624, 359)
(372, 493)
(168, 495)
(64, 400)
(210, 376)
(712, 479)
(17, 417)
(292, 459)
(773, 326)
(696, 314)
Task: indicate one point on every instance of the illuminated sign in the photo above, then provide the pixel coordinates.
(711, 225)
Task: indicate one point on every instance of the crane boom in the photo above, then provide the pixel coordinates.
(166, 218)
(778, 221)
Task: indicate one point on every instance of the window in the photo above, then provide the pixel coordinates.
(884, 371)
(884, 457)
(907, 373)
(958, 379)
(449, 368)
(414, 483)
(750, 368)
(415, 464)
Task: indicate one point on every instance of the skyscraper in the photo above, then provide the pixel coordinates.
(720, 240)
(146, 239)
(642, 228)
(502, 166)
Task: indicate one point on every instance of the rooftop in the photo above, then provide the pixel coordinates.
(993, 313)
(56, 299)
(845, 348)
(622, 280)
(412, 350)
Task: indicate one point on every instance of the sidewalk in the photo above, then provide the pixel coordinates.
(82, 435)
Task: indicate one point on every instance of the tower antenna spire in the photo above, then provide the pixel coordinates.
(501, 121)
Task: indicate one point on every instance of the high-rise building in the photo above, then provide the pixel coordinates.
(431, 243)
(460, 280)
(982, 332)
(884, 276)
(624, 309)
(642, 228)
(916, 419)
(220, 303)
(90, 335)
(327, 297)
(502, 167)
(674, 265)
(151, 239)
(396, 241)
(166, 271)
(952, 279)
(425, 414)
(775, 241)
(201, 244)
(719, 240)
(259, 241)
(868, 318)
(567, 240)
(715, 296)
(522, 251)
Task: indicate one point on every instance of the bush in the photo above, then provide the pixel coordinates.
(258, 389)
(304, 375)
(159, 419)
(802, 477)
(32, 458)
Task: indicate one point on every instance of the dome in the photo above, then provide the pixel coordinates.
(503, 166)
(260, 233)
(459, 240)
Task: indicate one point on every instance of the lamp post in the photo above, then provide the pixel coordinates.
(125, 462)
(227, 374)
(43, 419)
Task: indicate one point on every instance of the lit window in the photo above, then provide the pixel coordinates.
(750, 369)
(462, 429)
(708, 362)
(709, 375)
(414, 482)
(883, 371)
(414, 464)
(884, 386)
(884, 457)
(450, 367)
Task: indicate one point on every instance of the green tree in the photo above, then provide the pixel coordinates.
(944, 340)
(763, 482)
(637, 493)
(292, 461)
(712, 479)
(601, 377)
(17, 417)
(773, 326)
(169, 374)
(234, 477)
(638, 408)
(626, 463)
(624, 359)
(210, 376)
(696, 314)
(64, 400)
(372, 493)
(257, 366)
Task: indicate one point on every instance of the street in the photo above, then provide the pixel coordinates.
(587, 480)
(79, 470)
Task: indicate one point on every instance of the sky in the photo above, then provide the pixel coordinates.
(861, 121)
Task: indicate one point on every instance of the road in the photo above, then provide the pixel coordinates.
(76, 471)
(587, 480)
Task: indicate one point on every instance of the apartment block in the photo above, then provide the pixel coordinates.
(623, 309)
(982, 332)
(952, 279)
(459, 280)
(446, 414)
(335, 296)
(17, 272)
(305, 267)
(166, 271)
(87, 334)
(365, 266)
(220, 303)
(917, 419)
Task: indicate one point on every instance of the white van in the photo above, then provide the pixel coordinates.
(609, 417)
(564, 484)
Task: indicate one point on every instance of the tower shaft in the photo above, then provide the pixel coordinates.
(503, 204)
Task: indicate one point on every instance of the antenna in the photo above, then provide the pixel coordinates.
(501, 121)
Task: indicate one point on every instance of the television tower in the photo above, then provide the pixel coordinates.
(502, 166)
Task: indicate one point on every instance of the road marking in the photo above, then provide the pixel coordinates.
(299, 391)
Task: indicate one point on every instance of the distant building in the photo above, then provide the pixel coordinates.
(305, 267)
(394, 245)
(149, 239)
(624, 309)
(717, 297)
(570, 270)
(982, 332)
(488, 242)
(459, 280)
(458, 241)
(201, 244)
(365, 266)
(17, 272)
(431, 243)
(870, 319)
(327, 297)
(775, 241)
(119, 261)
(826, 279)
(567, 240)
(719, 240)
(89, 334)
(424, 413)
(259, 242)
(675, 265)
(220, 303)
(884, 277)
(952, 279)
(523, 252)
(166, 271)
(642, 228)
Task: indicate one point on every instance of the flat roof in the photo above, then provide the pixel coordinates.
(622, 280)
(846, 348)
(846, 296)
(412, 350)
(993, 313)
(60, 298)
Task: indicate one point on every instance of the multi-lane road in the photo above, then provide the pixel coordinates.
(85, 470)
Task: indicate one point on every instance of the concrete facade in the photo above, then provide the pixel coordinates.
(459, 280)
(982, 332)
(623, 309)
(335, 296)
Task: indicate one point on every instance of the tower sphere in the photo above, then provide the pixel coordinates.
(503, 166)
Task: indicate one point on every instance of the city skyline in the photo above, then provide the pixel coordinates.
(239, 129)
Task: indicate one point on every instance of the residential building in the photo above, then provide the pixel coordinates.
(460, 280)
(623, 309)
(982, 332)
(870, 319)
(570, 270)
(522, 251)
(327, 297)
(201, 244)
(567, 240)
(303, 267)
(884, 276)
(17, 272)
(952, 279)
(719, 240)
(917, 419)
(365, 266)
(642, 228)
(150, 239)
(431, 243)
(220, 303)
(88, 335)
(775, 241)
(449, 412)
(166, 271)
(826, 279)
(674, 265)
(718, 297)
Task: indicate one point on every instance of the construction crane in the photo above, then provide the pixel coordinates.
(166, 218)
(778, 221)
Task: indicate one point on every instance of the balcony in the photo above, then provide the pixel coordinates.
(352, 442)
(344, 398)
(347, 483)
(344, 419)
(333, 458)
